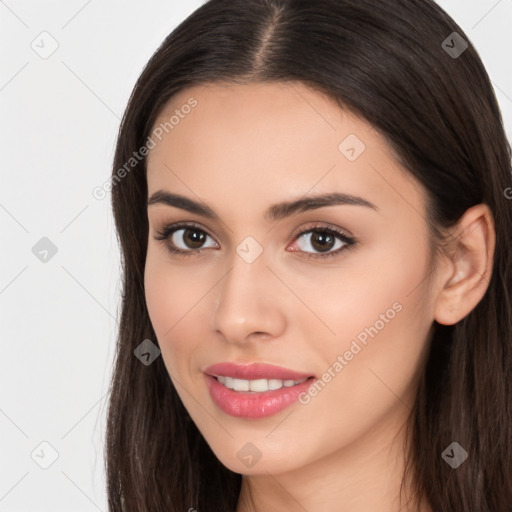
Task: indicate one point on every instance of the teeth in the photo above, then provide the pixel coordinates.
(275, 384)
(258, 385)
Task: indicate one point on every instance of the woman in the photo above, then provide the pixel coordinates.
(311, 201)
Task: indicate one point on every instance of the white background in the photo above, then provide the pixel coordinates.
(59, 119)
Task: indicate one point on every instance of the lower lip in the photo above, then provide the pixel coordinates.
(243, 404)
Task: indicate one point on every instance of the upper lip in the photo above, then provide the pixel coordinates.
(254, 371)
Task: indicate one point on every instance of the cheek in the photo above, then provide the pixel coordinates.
(177, 309)
(174, 300)
(381, 320)
(365, 291)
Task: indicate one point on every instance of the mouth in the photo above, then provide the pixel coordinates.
(257, 385)
(256, 390)
(255, 372)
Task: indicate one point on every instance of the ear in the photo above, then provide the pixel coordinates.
(470, 261)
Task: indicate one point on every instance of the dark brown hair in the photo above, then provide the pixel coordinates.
(386, 62)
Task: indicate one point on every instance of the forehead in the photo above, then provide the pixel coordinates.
(257, 141)
(230, 113)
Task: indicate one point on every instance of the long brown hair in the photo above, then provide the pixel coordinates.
(388, 62)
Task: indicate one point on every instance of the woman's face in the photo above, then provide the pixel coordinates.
(332, 289)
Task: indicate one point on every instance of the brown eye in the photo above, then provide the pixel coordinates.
(191, 237)
(185, 239)
(321, 241)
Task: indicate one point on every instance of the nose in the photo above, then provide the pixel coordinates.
(249, 303)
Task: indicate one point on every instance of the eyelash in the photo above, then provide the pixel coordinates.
(165, 233)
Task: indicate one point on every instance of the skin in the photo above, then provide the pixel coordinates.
(242, 149)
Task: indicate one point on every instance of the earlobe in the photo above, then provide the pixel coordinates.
(469, 265)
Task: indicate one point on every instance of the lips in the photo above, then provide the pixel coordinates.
(254, 405)
(254, 371)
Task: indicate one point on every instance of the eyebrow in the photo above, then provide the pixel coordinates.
(274, 213)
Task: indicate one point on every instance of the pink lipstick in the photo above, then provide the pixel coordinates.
(256, 390)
